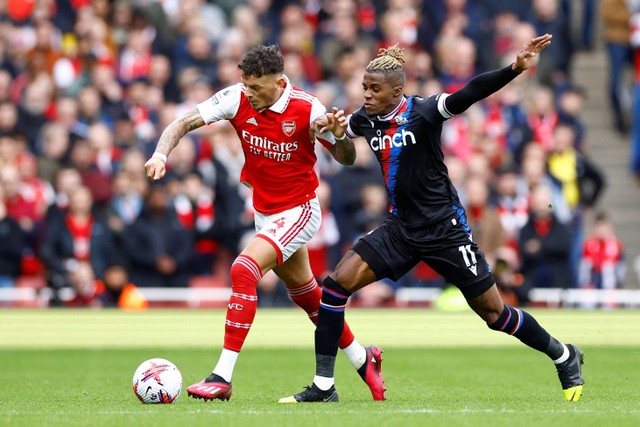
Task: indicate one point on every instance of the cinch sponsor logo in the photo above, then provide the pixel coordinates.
(398, 139)
(267, 144)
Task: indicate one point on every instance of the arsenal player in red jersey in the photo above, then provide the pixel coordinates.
(278, 125)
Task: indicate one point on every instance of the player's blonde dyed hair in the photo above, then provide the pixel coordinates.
(390, 58)
(389, 62)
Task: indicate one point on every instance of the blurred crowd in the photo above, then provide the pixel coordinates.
(87, 86)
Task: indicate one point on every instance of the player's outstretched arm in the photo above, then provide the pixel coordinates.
(155, 167)
(485, 84)
(344, 151)
(527, 54)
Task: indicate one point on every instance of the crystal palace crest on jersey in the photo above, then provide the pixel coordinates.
(401, 120)
(289, 127)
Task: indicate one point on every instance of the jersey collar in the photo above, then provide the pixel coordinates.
(281, 104)
(394, 112)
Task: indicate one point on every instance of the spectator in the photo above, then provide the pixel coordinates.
(115, 290)
(157, 246)
(617, 34)
(195, 51)
(125, 206)
(554, 67)
(581, 182)
(54, 149)
(90, 108)
(161, 76)
(74, 238)
(196, 210)
(9, 119)
(82, 281)
(65, 182)
(570, 106)
(103, 78)
(545, 245)
(106, 156)
(21, 205)
(470, 16)
(135, 57)
(340, 31)
(456, 57)
(245, 18)
(98, 181)
(11, 236)
(586, 30)
(542, 116)
(205, 14)
(505, 26)
(484, 219)
(512, 205)
(602, 265)
(66, 114)
(32, 109)
(533, 173)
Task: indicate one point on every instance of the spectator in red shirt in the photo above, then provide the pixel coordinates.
(602, 265)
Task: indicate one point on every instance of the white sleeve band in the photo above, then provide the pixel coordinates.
(159, 155)
(442, 108)
(349, 132)
(342, 138)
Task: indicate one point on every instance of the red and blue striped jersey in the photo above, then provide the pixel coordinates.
(407, 144)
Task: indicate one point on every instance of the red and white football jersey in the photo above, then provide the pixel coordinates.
(278, 149)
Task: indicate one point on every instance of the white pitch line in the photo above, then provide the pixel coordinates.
(344, 411)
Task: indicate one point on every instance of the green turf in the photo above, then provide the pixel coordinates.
(74, 368)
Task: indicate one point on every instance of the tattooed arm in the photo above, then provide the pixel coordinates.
(155, 168)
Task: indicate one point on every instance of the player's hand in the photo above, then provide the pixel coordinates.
(155, 168)
(527, 55)
(336, 122)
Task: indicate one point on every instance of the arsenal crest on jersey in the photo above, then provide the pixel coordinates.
(288, 127)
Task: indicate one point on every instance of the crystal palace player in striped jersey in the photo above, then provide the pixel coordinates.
(277, 124)
(427, 221)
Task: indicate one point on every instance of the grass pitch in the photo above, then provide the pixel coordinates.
(74, 368)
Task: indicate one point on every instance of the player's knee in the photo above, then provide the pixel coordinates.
(333, 293)
(244, 272)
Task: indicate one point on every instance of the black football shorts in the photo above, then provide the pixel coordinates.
(392, 249)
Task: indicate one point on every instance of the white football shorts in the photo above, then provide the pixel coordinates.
(287, 231)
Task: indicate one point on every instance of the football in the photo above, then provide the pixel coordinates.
(157, 381)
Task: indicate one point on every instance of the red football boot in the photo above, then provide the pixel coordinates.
(371, 372)
(212, 387)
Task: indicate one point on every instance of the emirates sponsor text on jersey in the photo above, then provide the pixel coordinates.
(262, 146)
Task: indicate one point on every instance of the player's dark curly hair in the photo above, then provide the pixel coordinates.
(262, 60)
(389, 62)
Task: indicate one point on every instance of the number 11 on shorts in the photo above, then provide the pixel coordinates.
(467, 253)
